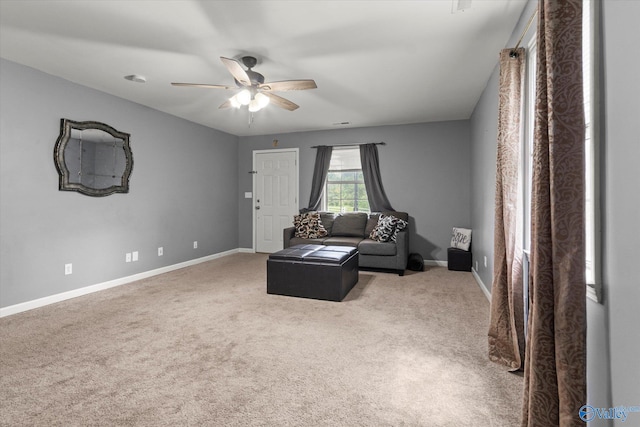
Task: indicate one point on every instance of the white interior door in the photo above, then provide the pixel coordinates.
(275, 196)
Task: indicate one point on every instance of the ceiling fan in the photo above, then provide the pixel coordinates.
(254, 91)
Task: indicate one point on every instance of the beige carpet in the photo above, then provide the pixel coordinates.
(207, 346)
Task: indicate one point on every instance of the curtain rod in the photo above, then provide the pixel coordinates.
(349, 145)
(513, 53)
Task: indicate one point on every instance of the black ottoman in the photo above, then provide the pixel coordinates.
(313, 271)
(458, 260)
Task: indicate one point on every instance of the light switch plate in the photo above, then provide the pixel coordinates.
(248, 194)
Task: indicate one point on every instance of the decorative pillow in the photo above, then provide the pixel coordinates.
(461, 238)
(309, 226)
(387, 228)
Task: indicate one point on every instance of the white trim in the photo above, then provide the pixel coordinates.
(435, 263)
(593, 214)
(482, 286)
(246, 251)
(51, 299)
(593, 293)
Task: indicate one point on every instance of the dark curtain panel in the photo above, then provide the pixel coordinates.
(378, 201)
(555, 355)
(320, 171)
(506, 326)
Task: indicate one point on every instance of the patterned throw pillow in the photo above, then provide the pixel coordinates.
(387, 228)
(309, 226)
(461, 238)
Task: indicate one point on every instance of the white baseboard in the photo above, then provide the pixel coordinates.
(435, 263)
(246, 250)
(41, 302)
(481, 284)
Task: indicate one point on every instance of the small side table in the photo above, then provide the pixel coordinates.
(458, 260)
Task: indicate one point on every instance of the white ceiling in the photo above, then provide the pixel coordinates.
(375, 62)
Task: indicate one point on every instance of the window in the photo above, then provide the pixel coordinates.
(527, 149)
(592, 213)
(345, 190)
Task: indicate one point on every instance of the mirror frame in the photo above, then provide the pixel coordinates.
(66, 126)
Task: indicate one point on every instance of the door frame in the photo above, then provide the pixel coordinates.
(296, 151)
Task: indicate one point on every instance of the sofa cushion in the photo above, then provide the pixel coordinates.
(350, 224)
(371, 247)
(309, 226)
(342, 241)
(387, 228)
(300, 241)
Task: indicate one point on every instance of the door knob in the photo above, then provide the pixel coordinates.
(257, 207)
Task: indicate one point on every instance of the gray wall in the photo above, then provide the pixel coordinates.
(182, 189)
(613, 346)
(621, 208)
(424, 167)
(484, 135)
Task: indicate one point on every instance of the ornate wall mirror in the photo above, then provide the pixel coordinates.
(92, 158)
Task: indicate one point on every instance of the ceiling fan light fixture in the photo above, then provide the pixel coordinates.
(244, 97)
(234, 101)
(262, 100)
(254, 105)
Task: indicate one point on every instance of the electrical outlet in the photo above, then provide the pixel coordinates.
(127, 257)
(195, 244)
(160, 251)
(485, 261)
(68, 269)
(134, 256)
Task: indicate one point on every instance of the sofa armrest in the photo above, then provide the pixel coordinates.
(402, 247)
(287, 234)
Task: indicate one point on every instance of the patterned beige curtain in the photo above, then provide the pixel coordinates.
(506, 328)
(555, 362)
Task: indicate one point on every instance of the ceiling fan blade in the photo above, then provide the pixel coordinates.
(204, 85)
(288, 85)
(281, 102)
(236, 71)
(225, 104)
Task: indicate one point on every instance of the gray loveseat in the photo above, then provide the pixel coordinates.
(354, 229)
